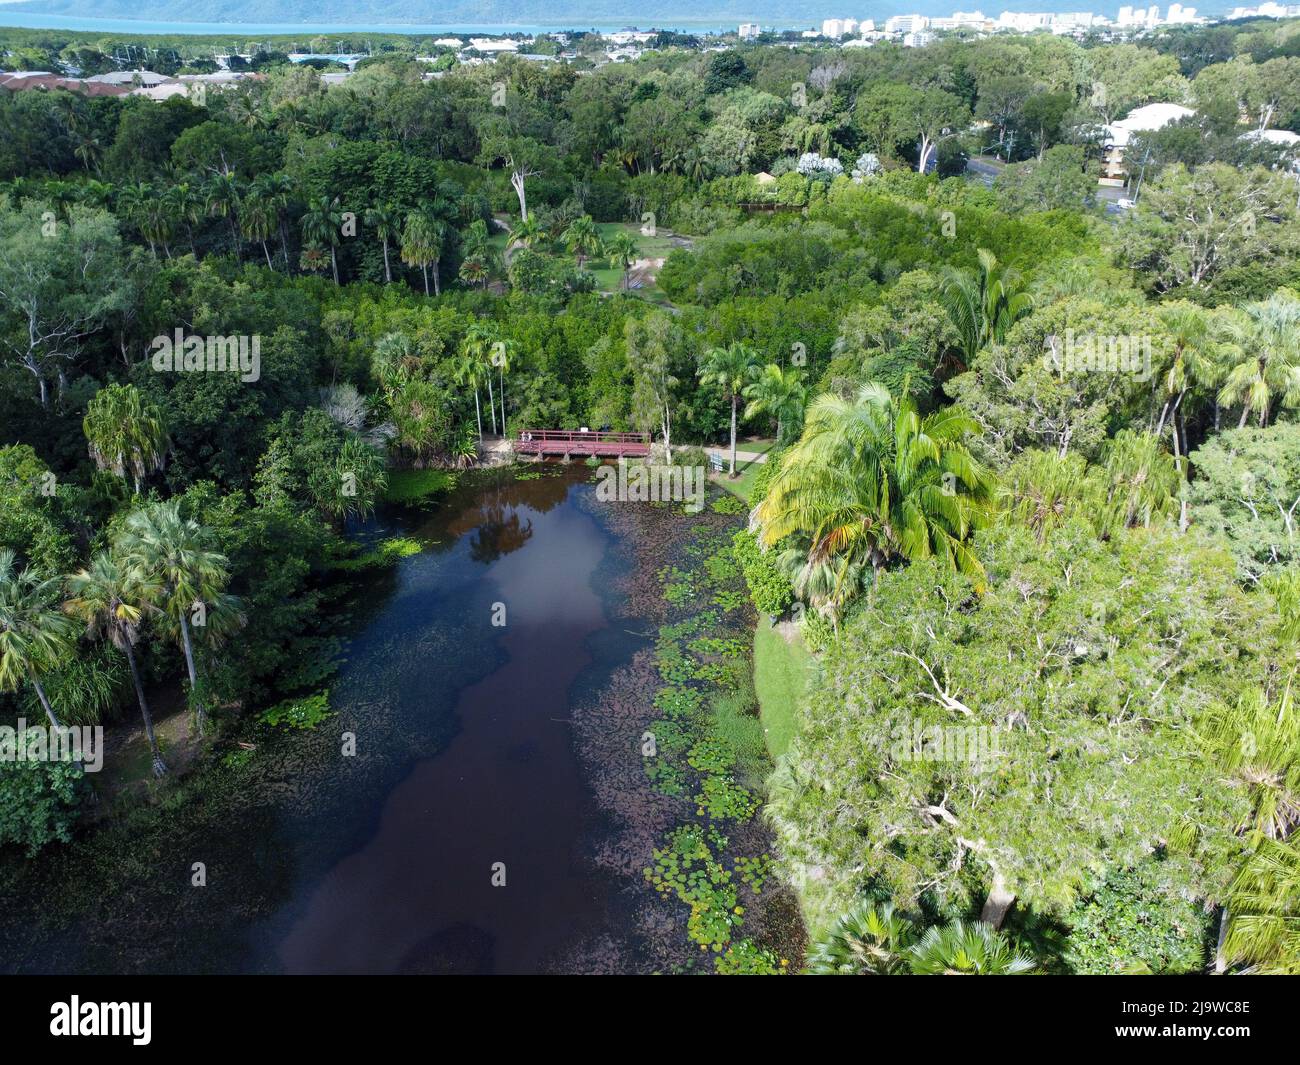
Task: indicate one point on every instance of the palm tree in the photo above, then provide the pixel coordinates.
(871, 479)
(35, 635)
(423, 237)
(480, 339)
(321, 225)
(983, 305)
(259, 216)
(474, 270)
(113, 600)
(779, 393)
(527, 232)
(221, 194)
(88, 150)
(1194, 361)
(387, 222)
(468, 369)
(729, 368)
(623, 249)
(1256, 741)
(1266, 358)
(186, 205)
(869, 940)
(175, 554)
(961, 949)
(582, 239)
(124, 436)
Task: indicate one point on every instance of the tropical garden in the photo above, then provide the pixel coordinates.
(1007, 465)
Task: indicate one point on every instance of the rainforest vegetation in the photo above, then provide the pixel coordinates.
(1031, 477)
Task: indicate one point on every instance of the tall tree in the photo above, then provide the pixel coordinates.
(322, 225)
(871, 479)
(35, 635)
(125, 435)
(729, 369)
(176, 555)
(113, 599)
(1265, 358)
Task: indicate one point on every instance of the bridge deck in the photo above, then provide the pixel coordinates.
(573, 442)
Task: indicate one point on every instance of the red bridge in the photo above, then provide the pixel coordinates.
(573, 442)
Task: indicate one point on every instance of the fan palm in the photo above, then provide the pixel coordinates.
(962, 949)
(113, 600)
(729, 368)
(124, 435)
(1266, 358)
(35, 635)
(175, 554)
(871, 479)
(869, 940)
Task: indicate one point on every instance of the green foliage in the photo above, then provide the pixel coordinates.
(1138, 922)
(304, 713)
(768, 586)
(39, 800)
(1050, 659)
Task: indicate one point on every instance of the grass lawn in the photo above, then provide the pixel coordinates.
(781, 670)
(742, 484)
(609, 279)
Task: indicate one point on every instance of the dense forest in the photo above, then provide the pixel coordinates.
(1034, 468)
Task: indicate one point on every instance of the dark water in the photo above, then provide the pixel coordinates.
(384, 862)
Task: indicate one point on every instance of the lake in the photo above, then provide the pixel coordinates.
(465, 765)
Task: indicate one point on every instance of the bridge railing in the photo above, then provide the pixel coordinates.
(574, 436)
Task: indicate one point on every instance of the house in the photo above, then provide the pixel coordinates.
(1114, 172)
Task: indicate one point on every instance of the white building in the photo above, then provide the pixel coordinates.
(1118, 134)
(906, 24)
(917, 40)
(748, 31)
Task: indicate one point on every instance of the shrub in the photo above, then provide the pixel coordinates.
(768, 587)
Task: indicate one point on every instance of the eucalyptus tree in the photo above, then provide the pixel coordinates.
(114, 599)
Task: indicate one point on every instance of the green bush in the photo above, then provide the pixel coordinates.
(1136, 922)
(768, 587)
